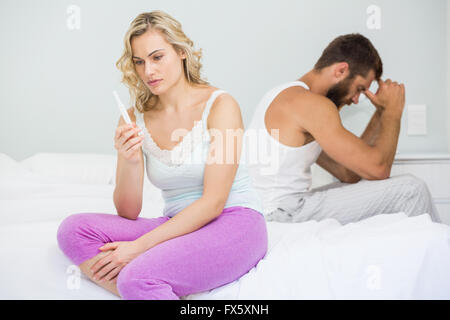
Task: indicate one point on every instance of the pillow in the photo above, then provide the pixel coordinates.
(11, 168)
(8, 164)
(73, 167)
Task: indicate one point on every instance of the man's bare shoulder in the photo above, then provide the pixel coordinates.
(296, 97)
(299, 101)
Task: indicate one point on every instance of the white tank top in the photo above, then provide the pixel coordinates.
(179, 172)
(281, 173)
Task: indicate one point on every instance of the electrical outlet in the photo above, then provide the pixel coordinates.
(417, 120)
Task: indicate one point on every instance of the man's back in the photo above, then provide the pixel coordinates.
(283, 167)
(283, 112)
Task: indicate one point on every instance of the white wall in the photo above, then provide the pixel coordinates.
(56, 83)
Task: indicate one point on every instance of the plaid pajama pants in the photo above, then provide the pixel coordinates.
(354, 202)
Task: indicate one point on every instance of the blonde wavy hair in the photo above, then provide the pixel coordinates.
(173, 33)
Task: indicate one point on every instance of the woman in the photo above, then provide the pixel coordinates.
(211, 232)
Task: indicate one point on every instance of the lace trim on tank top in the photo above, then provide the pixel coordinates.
(182, 151)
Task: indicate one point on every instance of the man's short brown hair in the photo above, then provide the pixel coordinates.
(357, 51)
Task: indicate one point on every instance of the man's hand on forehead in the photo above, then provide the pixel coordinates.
(390, 94)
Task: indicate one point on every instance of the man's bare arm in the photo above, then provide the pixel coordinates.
(372, 162)
(390, 108)
(373, 128)
(339, 171)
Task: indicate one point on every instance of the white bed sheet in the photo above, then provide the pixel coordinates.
(384, 257)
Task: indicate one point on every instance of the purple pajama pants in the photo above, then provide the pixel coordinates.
(216, 254)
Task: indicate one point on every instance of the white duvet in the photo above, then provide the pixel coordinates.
(389, 256)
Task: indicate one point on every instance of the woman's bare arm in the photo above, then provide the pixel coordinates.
(129, 182)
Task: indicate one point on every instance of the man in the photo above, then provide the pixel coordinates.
(301, 118)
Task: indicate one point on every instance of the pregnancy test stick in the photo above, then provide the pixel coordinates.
(122, 109)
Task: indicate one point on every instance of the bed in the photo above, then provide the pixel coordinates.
(389, 256)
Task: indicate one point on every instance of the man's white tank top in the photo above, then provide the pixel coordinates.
(280, 173)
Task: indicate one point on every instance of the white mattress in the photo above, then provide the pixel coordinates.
(388, 256)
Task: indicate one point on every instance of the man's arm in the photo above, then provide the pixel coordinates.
(339, 171)
(319, 116)
(389, 105)
(373, 128)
